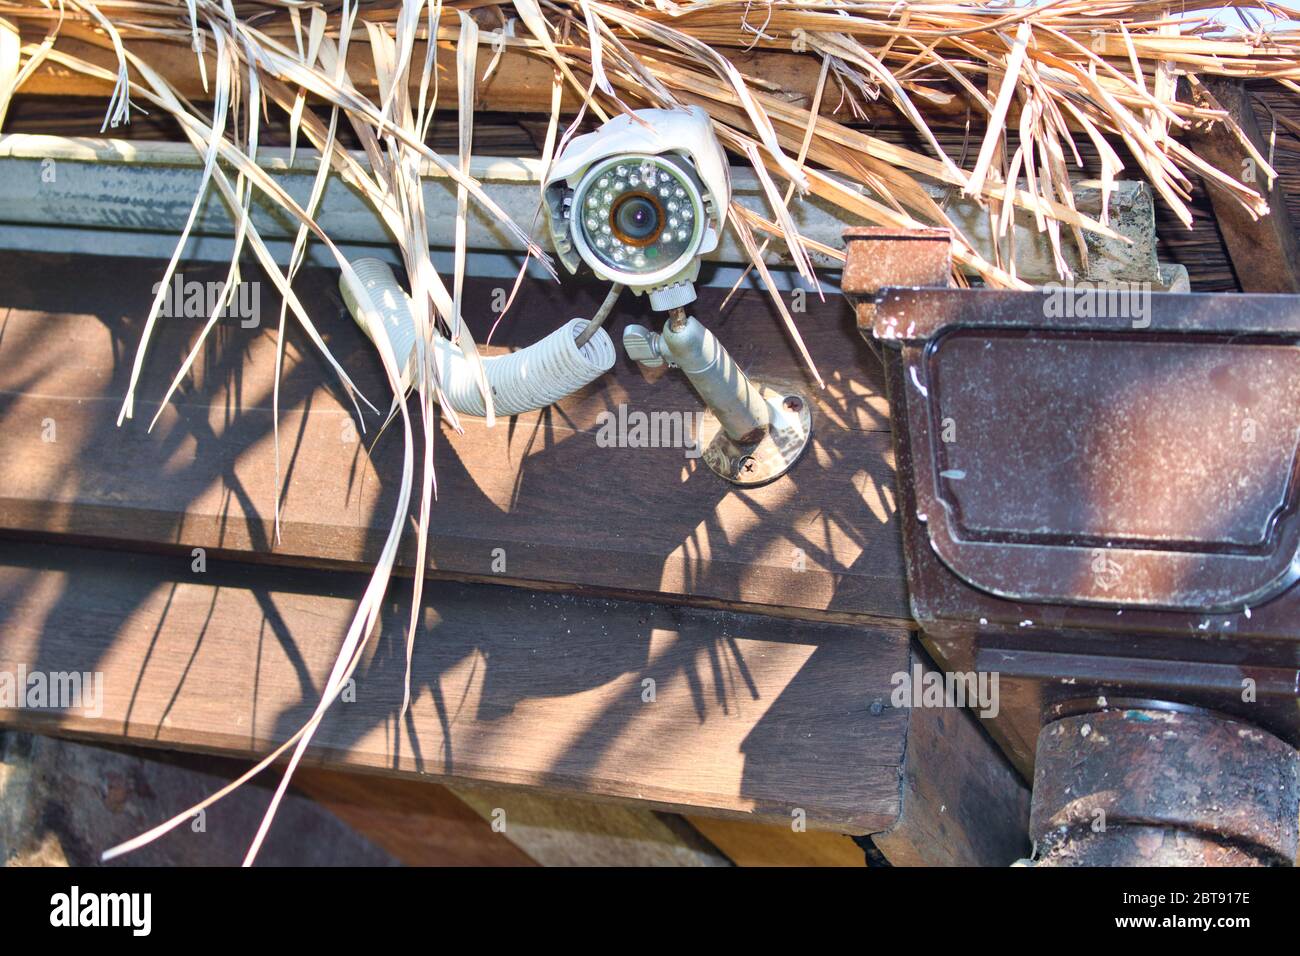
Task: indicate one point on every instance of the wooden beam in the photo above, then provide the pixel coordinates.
(672, 708)
(561, 831)
(419, 823)
(769, 844)
(535, 499)
(521, 83)
(750, 717)
(742, 717)
(1265, 252)
(963, 804)
(427, 824)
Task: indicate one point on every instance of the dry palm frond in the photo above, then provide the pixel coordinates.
(785, 85)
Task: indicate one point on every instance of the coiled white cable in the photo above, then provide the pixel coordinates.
(523, 381)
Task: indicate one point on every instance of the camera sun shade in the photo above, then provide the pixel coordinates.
(670, 162)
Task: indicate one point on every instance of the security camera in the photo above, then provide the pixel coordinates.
(640, 200)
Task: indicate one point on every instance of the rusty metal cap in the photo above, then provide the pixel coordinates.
(1192, 770)
(880, 257)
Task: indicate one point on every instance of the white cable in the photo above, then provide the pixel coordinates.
(523, 381)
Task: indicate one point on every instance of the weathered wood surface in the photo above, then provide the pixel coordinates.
(751, 716)
(755, 844)
(963, 803)
(754, 717)
(562, 831)
(537, 492)
(62, 803)
(1265, 251)
(419, 823)
(521, 83)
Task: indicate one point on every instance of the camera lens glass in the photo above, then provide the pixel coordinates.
(636, 219)
(639, 214)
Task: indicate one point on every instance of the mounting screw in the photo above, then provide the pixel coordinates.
(793, 403)
(746, 465)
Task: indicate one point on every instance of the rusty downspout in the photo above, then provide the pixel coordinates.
(1129, 783)
(1162, 785)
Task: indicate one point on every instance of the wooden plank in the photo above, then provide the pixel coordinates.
(426, 824)
(534, 499)
(768, 844)
(62, 803)
(561, 831)
(520, 84)
(963, 803)
(674, 708)
(420, 824)
(1265, 252)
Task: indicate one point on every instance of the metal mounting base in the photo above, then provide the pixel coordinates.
(757, 463)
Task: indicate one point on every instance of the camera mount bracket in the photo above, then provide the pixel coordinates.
(753, 432)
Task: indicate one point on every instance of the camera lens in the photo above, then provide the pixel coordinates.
(637, 215)
(637, 219)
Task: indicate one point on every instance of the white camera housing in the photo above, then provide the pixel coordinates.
(640, 200)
